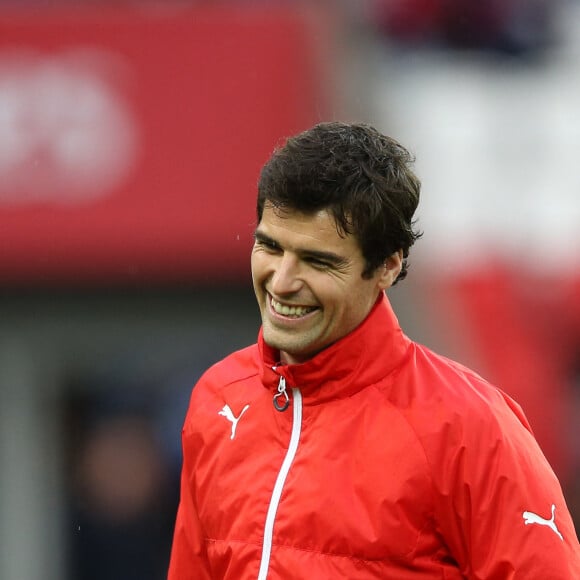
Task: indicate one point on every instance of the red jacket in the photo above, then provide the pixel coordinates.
(389, 462)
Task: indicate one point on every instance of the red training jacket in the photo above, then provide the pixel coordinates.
(387, 461)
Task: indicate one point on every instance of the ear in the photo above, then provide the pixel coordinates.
(390, 270)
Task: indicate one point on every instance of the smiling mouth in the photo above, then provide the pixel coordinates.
(291, 311)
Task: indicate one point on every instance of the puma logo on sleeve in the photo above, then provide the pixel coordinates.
(532, 518)
(229, 415)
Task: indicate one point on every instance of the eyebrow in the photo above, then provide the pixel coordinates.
(330, 257)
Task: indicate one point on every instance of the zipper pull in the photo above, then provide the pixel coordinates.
(281, 391)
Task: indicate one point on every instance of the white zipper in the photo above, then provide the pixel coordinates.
(279, 486)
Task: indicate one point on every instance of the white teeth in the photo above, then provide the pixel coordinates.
(295, 311)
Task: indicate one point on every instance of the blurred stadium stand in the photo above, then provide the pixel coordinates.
(131, 136)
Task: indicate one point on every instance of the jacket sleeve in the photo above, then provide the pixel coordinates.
(501, 510)
(188, 553)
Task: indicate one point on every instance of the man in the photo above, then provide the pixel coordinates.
(336, 447)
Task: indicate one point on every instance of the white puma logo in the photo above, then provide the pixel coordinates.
(227, 413)
(532, 518)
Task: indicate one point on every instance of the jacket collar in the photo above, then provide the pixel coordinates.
(368, 354)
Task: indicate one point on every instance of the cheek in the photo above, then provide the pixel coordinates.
(357, 303)
(256, 265)
(338, 301)
(256, 277)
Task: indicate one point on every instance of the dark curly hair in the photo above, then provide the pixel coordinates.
(362, 177)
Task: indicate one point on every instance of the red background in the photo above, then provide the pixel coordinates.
(212, 91)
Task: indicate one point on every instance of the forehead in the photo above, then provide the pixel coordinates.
(316, 230)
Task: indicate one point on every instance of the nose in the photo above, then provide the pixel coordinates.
(286, 276)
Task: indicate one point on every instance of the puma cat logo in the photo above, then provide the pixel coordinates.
(228, 414)
(532, 518)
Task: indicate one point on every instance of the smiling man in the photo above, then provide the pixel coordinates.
(336, 447)
(310, 297)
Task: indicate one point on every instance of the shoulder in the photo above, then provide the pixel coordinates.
(211, 389)
(237, 366)
(467, 425)
(458, 393)
(452, 409)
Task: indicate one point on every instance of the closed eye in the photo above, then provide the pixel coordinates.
(325, 260)
(266, 243)
(318, 263)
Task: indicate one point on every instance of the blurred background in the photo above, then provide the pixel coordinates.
(131, 138)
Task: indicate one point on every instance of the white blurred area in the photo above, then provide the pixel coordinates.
(497, 144)
(57, 114)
